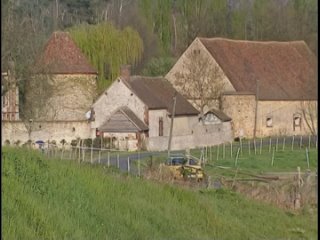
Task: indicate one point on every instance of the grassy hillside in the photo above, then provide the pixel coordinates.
(44, 199)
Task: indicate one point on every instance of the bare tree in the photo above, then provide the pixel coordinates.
(309, 113)
(200, 80)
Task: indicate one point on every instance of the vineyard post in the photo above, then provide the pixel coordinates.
(272, 159)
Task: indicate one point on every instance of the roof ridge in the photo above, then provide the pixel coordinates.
(250, 41)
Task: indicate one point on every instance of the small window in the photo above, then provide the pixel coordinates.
(296, 121)
(269, 122)
(196, 51)
(160, 126)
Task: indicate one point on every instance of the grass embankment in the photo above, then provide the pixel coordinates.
(56, 199)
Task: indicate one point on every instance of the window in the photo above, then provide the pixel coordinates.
(296, 121)
(160, 126)
(269, 122)
(196, 51)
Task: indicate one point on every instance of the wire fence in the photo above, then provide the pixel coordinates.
(131, 161)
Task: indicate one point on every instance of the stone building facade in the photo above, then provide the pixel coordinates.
(9, 97)
(150, 104)
(270, 87)
(63, 79)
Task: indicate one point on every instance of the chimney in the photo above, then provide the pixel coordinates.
(125, 72)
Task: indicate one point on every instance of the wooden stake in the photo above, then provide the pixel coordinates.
(309, 141)
(249, 147)
(307, 154)
(299, 177)
(83, 153)
(218, 153)
(284, 143)
(139, 167)
(224, 149)
(109, 159)
(277, 144)
(241, 146)
(118, 161)
(70, 156)
(231, 149)
(62, 150)
(270, 145)
(260, 146)
(255, 146)
(236, 161)
(91, 155)
(292, 143)
(99, 159)
(300, 141)
(272, 159)
(128, 164)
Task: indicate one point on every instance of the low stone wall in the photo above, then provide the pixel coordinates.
(203, 135)
(45, 130)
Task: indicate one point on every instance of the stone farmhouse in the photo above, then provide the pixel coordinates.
(134, 110)
(71, 77)
(270, 88)
(60, 93)
(137, 112)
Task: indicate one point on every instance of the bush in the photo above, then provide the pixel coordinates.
(17, 143)
(7, 142)
(87, 142)
(63, 142)
(75, 142)
(27, 143)
(97, 142)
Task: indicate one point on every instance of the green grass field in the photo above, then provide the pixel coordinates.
(54, 199)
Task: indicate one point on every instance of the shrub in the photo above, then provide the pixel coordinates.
(17, 143)
(74, 142)
(97, 142)
(63, 142)
(87, 142)
(7, 142)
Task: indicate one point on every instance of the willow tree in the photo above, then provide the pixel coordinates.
(107, 48)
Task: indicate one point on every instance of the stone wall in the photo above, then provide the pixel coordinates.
(241, 108)
(202, 135)
(282, 114)
(196, 45)
(62, 97)
(49, 130)
(117, 95)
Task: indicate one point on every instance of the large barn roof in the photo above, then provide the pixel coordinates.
(62, 56)
(284, 70)
(157, 93)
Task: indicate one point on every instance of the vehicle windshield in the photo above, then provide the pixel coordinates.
(177, 161)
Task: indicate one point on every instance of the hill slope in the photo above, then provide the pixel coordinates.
(45, 199)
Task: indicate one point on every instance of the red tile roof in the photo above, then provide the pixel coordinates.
(157, 93)
(285, 70)
(62, 56)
